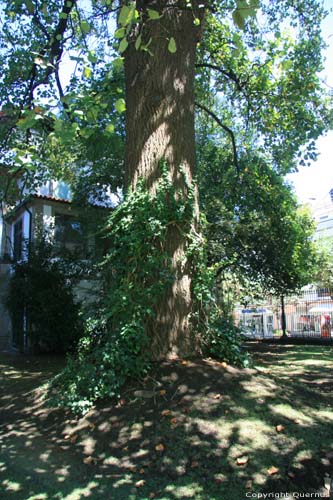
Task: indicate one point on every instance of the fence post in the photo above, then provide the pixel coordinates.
(283, 318)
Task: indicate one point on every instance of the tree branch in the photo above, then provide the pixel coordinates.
(228, 74)
(225, 128)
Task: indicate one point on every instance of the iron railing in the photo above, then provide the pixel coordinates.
(308, 314)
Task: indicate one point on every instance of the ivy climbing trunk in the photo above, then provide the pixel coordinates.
(160, 127)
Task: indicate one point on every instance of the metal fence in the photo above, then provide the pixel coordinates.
(308, 314)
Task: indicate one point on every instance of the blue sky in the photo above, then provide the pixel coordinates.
(316, 181)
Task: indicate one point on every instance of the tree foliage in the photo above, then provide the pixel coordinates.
(41, 302)
(256, 228)
(266, 77)
(257, 70)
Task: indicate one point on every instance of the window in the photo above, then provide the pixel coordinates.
(68, 232)
(18, 239)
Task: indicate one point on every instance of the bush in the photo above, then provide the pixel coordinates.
(41, 298)
(224, 342)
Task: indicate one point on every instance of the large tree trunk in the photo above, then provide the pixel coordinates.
(160, 126)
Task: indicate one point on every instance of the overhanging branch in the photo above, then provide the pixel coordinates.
(231, 75)
(225, 128)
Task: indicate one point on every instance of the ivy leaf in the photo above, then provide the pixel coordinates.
(123, 45)
(172, 47)
(127, 13)
(153, 14)
(120, 33)
(138, 42)
(124, 15)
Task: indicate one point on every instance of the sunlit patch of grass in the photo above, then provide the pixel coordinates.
(11, 486)
(189, 491)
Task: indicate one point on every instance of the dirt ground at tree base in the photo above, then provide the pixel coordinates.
(192, 429)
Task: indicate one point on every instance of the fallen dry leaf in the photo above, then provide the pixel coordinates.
(90, 460)
(280, 428)
(91, 426)
(194, 464)
(242, 460)
(217, 396)
(152, 495)
(272, 470)
(184, 362)
(160, 447)
(73, 438)
(122, 402)
(142, 471)
(173, 421)
(140, 483)
(162, 392)
(165, 413)
(133, 469)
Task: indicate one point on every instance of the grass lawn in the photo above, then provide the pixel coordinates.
(201, 430)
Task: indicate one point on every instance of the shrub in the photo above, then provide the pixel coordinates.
(40, 293)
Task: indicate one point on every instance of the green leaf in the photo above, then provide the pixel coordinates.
(63, 15)
(110, 128)
(30, 6)
(124, 15)
(85, 27)
(172, 47)
(138, 42)
(238, 19)
(118, 63)
(153, 14)
(123, 45)
(87, 72)
(127, 13)
(120, 105)
(92, 57)
(120, 33)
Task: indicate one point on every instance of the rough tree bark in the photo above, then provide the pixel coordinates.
(160, 125)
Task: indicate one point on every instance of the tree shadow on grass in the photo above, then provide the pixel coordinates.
(199, 430)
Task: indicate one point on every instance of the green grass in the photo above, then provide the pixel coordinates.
(218, 415)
